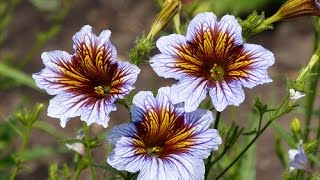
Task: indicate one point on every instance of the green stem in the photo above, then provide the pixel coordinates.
(20, 155)
(77, 173)
(208, 164)
(88, 152)
(313, 88)
(279, 112)
(216, 123)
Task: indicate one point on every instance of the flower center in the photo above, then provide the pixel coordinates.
(217, 72)
(102, 90)
(154, 151)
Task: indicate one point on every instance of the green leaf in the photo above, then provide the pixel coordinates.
(46, 5)
(17, 75)
(42, 151)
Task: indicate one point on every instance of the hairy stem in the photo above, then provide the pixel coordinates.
(208, 164)
(88, 151)
(20, 155)
(279, 112)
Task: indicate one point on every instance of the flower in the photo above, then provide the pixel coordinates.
(77, 146)
(298, 159)
(295, 8)
(87, 83)
(211, 58)
(163, 141)
(295, 95)
(169, 10)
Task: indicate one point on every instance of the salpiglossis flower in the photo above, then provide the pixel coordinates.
(162, 141)
(298, 159)
(87, 83)
(211, 58)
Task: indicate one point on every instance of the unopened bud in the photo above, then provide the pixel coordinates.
(296, 126)
(169, 10)
(295, 8)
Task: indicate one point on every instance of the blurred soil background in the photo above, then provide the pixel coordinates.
(291, 42)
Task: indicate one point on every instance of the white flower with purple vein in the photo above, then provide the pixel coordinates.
(211, 58)
(162, 141)
(87, 83)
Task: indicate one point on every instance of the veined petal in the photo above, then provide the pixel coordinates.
(87, 43)
(226, 93)
(127, 130)
(97, 111)
(158, 169)
(138, 107)
(49, 78)
(202, 22)
(229, 25)
(123, 79)
(166, 66)
(191, 91)
(250, 68)
(66, 106)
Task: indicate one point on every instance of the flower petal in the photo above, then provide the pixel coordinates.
(97, 111)
(138, 107)
(49, 78)
(67, 105)
(226, 93)
(158, 169)
(123, 79)
(256, 71)
(201, 23)
(229, 25)
(127, 130)
(191, 91)
(166, 66)
(86, 41)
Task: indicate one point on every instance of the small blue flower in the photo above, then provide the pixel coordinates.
(87, 83)
(213, 58)
(298, 159)
(162, 141)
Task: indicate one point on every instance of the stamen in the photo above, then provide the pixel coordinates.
(154, 151)
(102, 90)
(217, 72)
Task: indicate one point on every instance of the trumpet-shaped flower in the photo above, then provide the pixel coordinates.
(295, 95)
(298, 159)
(87, 83)
(211, 58)
(163, 142)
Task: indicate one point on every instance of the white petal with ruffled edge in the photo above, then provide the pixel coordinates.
(261, 59)
(224, 94)
(229, 25)
(190, 90)
(87, 37)
(165, 66)
(67, 105)
(49, 78)
(201, 23)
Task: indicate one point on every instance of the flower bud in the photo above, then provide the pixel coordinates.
(295, 8)
(169, 10)
(296, 126)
